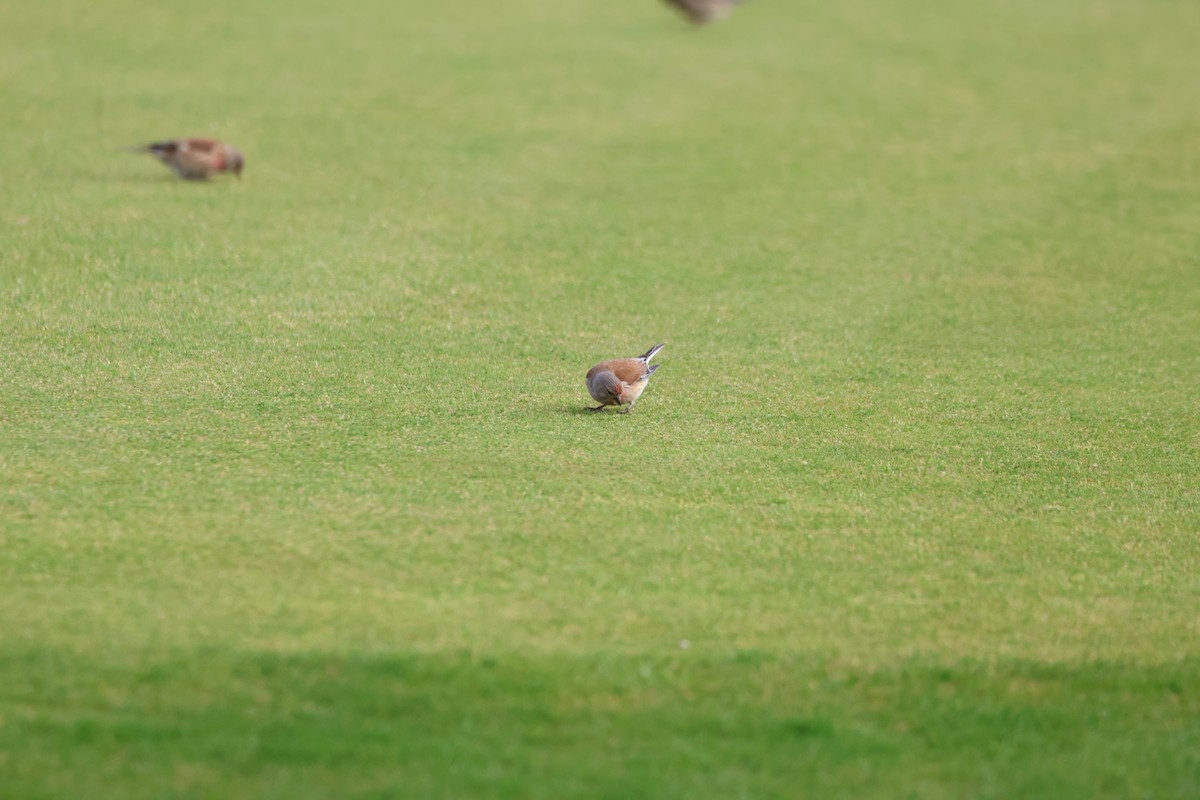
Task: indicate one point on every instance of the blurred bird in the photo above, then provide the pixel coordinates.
(196, 159)
(701, 12)
(620, 381)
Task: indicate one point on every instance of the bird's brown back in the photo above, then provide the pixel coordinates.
(629, 370)
(201, 145)
(199, 157)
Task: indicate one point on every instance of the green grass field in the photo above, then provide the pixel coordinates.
(298, 500)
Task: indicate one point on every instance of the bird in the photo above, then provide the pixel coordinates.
(701, 12)
(196, 159)
(620, 381)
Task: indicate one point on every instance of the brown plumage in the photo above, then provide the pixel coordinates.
(196, 159)
(620, 381)
(701, 12)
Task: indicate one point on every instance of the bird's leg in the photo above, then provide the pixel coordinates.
(597, 408)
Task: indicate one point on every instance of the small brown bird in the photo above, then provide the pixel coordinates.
(196, 159)
(620, 381)
(701, 12)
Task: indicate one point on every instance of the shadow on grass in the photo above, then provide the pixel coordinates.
(586, 411)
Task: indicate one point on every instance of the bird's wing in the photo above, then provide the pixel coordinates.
(199, 144)
(695, 10)
(194, 162)
(629, 370)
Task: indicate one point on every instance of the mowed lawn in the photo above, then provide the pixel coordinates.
(298, 499)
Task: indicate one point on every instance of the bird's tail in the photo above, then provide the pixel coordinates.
(153, 147)
(649, 354)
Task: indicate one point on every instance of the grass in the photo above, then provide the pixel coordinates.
(297, 498)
